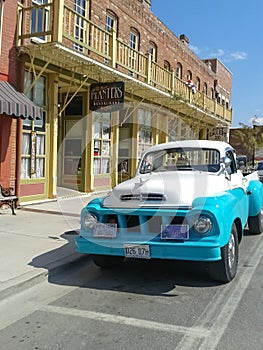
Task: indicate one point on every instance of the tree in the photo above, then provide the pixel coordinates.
(244, 140)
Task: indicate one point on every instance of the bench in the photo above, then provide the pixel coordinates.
(7, 198)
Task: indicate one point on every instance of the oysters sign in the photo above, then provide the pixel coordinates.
(109, 96)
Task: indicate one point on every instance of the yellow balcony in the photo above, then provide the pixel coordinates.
(59, 35)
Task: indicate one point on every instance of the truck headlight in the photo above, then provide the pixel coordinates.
(203, 225)
(90, 221)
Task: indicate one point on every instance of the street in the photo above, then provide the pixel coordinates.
(140, 305)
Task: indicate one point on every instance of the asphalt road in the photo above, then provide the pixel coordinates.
(140, 305)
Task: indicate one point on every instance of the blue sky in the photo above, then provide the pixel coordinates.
(230, 30)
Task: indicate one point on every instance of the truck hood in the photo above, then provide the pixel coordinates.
(170, 189)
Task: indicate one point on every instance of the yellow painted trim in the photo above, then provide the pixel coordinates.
(31, 198)
(89, 150)
(33, 181)
(52, 135)
(134, 160)
(114, 147)
(57, 32)
(84, 186)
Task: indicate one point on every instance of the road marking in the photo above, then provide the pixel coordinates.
(203, 335)
(220, 310)
(127, 321)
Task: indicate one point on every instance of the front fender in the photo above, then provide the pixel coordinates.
(225, 208)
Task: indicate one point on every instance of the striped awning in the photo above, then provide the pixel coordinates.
(17, 104)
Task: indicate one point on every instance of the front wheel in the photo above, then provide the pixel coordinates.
(107, 261)
(225, 269)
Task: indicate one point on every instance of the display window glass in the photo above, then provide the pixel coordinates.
(34, 132)
(101, 143)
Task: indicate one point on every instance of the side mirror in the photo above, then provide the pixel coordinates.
(241, 165)
(227, 161)
(225, 167)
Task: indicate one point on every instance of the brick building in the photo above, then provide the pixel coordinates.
(13, 104)
(7, 72)
(61, 50)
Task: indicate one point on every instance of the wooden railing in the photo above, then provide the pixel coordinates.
(44, 23)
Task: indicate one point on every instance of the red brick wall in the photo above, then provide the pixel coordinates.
(8, 72)
(7, 151)
(137, 14)
(8, 51)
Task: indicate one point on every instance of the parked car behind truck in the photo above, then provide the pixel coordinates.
(259, 170)
(187, 201)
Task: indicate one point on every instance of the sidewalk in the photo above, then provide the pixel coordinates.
(38, 239)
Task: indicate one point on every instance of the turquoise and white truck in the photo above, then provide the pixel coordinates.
(187, 201)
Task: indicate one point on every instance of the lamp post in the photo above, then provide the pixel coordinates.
(255, 122)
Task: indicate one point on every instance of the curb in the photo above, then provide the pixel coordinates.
(46, 211)
(38, 275)
(19, 284)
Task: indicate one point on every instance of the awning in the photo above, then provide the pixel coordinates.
(17, 104)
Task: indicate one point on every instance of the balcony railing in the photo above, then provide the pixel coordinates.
(40, 24)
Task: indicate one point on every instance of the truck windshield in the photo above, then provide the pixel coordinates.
(178, 159)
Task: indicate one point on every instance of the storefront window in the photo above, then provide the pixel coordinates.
(34, 133)
(102, 142)
(72, 156)
(144, 131)
(174, 129)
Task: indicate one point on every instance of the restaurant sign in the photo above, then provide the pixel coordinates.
(218, 134)
(109, 96)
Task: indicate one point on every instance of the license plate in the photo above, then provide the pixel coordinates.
(175, 232)
(105, 230)
(140, 251)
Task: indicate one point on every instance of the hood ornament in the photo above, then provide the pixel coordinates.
(140, 182)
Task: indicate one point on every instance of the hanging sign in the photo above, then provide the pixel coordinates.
(218, 134)
(109, 96)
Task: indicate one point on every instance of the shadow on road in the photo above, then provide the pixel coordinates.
(147, 277)
(56, 258)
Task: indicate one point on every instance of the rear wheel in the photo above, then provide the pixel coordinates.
(107, 260)
(225, 269)
(255, 223)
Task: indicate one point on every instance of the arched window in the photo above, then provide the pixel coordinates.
(198, 83)
(179, 70)
(212, 93)
(134, 45)
(166, 65)
(81, 10)
(153, 51)
(205, 88)
(39, 22)
(189, 75)
(134, 39)
(110, 23)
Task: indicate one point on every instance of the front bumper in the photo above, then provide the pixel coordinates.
(181, 250)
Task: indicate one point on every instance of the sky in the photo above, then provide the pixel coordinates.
(232, 31)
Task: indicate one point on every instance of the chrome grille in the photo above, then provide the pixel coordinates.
(143, 223)
(143, 197)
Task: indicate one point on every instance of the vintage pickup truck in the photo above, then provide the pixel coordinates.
(187, 201)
